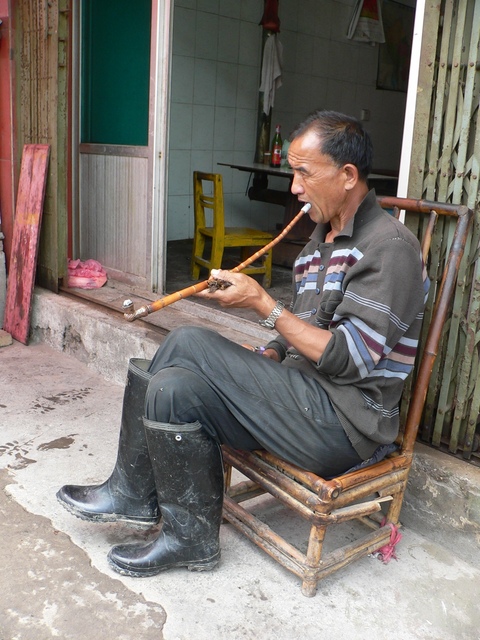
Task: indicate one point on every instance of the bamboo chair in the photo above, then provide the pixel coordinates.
(211, 198)
(357, 494)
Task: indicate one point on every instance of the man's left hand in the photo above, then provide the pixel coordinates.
(243, 291)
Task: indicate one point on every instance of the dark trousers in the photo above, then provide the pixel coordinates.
(246, 401)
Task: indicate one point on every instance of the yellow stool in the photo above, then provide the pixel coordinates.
(211, 197)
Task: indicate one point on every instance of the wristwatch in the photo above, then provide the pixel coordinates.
(269, 323)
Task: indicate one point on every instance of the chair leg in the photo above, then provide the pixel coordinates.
(195, 271)
(247, 252)
(197, 252)
(217, 252)
(267, 278)
(314, 554)
(227, 470)
(395, 506)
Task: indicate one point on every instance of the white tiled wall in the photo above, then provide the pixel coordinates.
(215, 79)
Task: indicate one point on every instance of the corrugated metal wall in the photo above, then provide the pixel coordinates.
(445, 167)
(114, 212)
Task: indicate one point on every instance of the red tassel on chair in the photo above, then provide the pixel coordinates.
(387, 552)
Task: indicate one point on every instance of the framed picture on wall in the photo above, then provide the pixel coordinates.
(394, 54)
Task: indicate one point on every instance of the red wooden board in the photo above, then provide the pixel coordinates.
(26, 236)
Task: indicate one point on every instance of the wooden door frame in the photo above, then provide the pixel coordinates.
(162, 28)
(159, 101)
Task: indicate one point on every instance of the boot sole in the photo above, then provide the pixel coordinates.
(107, 517)
(199, 565)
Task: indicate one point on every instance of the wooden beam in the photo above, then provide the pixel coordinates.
(26, 236)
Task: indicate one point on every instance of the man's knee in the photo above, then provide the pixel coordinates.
(169, 394)
(187, 335)
(182, 345)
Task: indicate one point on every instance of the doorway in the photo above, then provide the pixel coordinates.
(118, 160)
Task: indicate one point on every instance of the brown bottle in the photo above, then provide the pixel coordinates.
(276, 157)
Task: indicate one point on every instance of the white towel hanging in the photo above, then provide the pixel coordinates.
(271, 71)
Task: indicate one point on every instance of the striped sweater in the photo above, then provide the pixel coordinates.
(368, 287)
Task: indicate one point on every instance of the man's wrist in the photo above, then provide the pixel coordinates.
(275, 313)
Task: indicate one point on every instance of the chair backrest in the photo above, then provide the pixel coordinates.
(208, 197)
(442, 293)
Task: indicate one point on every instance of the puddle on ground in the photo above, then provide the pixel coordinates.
(59, 443)
(45, 404)
(21, 462)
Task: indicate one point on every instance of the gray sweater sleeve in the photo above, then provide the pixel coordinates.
(377, 314)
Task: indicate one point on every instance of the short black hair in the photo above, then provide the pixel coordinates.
(342, 138)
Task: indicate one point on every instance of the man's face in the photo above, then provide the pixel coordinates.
(316, 179)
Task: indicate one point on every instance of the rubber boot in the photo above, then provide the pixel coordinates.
(129, 494)
(188, 470)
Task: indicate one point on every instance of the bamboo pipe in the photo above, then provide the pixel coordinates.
(131, 314)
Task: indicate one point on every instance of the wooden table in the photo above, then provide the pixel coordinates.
(259, 189)
(256, 167)
(384, 182)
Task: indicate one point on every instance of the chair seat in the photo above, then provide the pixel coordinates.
(321, 497)
(240, 236)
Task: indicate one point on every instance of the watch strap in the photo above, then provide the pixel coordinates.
(269, 322)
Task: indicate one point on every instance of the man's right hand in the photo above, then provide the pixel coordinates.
(272, 354)
(268, 353)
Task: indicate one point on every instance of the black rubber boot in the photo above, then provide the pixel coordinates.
(129, 494)
(188, 472)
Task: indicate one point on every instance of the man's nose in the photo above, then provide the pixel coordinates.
(297, 187)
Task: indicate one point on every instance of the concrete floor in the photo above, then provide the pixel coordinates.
(59, 424)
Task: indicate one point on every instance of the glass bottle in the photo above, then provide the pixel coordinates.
(276, 157)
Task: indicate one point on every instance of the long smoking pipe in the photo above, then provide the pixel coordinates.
(129, 309)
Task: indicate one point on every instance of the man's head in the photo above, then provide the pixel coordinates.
(331, 157)
(341, 137)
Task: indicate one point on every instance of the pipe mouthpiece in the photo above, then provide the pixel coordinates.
(306, 207)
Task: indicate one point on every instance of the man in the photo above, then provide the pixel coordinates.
(323, 394)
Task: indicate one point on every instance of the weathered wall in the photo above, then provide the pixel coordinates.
(6, 167)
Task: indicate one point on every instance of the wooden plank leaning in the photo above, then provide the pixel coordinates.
(26, 237)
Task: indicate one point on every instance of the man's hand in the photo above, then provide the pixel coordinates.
(268, 353)
(272, 354)
(243, 292)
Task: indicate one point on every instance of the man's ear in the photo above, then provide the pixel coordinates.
(351, 176)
